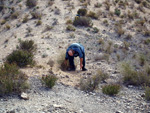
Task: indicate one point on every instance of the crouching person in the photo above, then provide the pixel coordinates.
(75, 50)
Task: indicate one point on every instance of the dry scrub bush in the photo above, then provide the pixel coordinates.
(31, 3)
(12, 80)
(3, 21)
(92, 15)
(39, 22)
(98, 5)
(119, 30)
(49, 80)
(15, 15)
(70, 28)
(69, 22)
(36, 15)
(61, 61)
(82, 21)
(111, 89)
(146, 32)
(134, 77)
(91, 83)
(147, 93)
(25, 19)
(7, 26)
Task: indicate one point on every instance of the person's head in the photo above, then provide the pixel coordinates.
(70, 52)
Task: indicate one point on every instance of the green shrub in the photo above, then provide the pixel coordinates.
(12, 80)
(82, 12)
(82, 21)
(49, 80)
(95, 30)
(147, 41)
(20, 57)
(27, 45)
(92, 15)
(111, 89)
(147, 93)
(117, 11)
(31, 3)
(70, 28)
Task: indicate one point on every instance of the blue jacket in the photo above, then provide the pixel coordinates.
(78, 48)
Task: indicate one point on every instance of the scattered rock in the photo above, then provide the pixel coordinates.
(24, 96)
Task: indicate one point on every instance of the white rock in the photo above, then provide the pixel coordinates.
(24, 96)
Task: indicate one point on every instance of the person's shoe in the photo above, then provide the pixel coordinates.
(71, 69)
(84, 69)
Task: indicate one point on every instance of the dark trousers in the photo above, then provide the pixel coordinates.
(71, 61)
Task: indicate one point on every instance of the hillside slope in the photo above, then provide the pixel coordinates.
(114, 38)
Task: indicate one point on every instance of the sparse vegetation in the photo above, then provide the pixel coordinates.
(82, 12)
(39, 22)
(12, 80)
(95, 30)
(133, 77)
(69, 22)
(111, 89)
(27, 45)
(98, 5)
(36, 15)
(25, 19)
(82, 21)
(31, 3)
(117, 12)
(70, 28)
(61, 61)
(21, 58)
(147, 93)
(3, 21)
(49, 80)
(92, 15)
(7, 26)
(91, 83)
(15, 15)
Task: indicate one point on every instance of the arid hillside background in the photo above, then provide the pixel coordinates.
(116, 37)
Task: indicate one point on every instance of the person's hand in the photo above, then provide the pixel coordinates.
(81, 65)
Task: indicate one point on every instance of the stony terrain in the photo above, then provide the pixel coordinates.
(66, 96)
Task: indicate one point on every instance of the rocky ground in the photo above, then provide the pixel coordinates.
(67, 99)
(66, 96)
